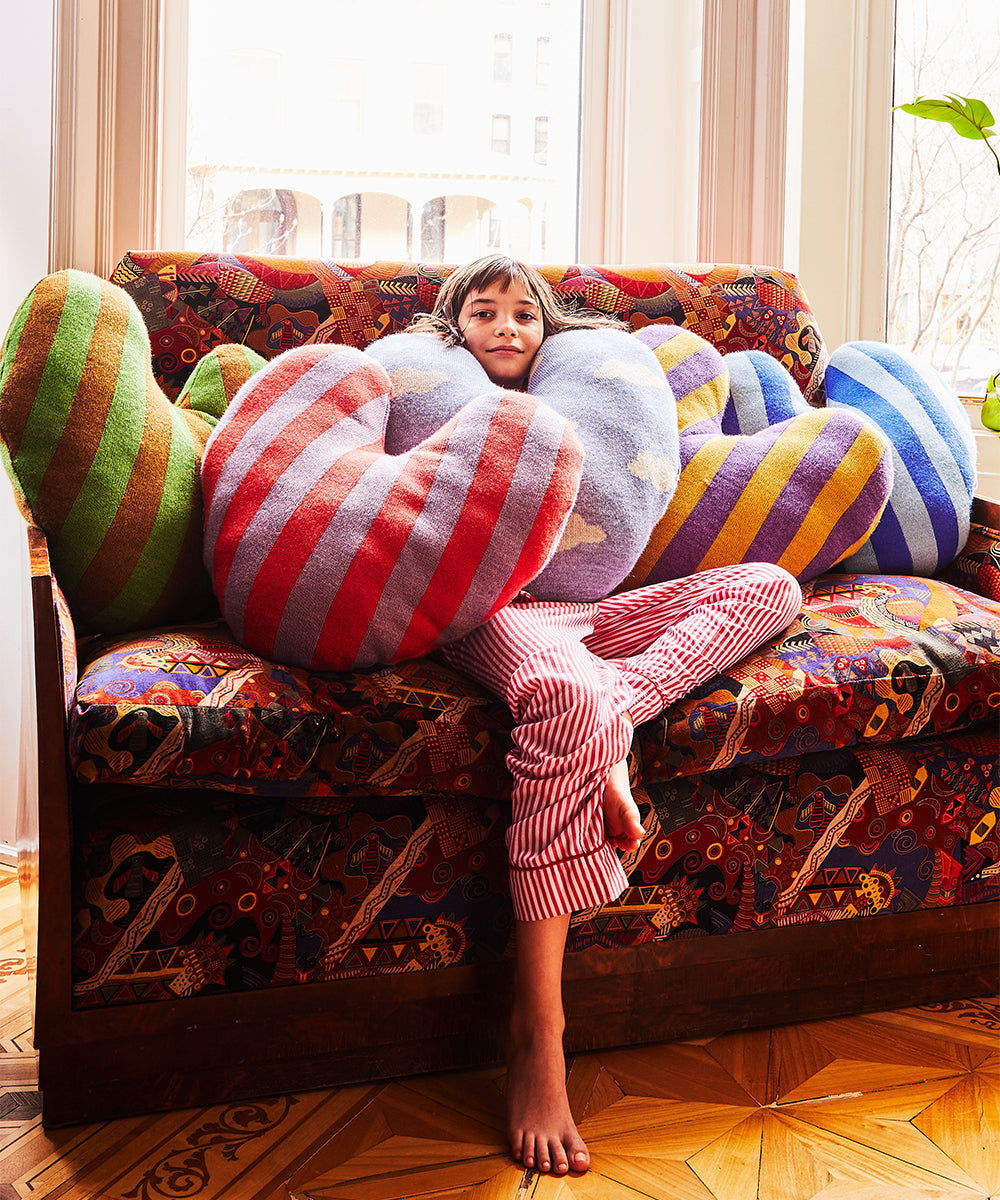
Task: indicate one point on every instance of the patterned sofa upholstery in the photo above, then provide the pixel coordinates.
(259, 877)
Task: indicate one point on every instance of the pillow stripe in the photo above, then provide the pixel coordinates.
(261, 443)
(482, 433)
(534, 471)
(144, 578)
(856, 487)
(275, 576)
(89, 529)
(76, 467)
(231, 457)
(109, 565)
(58, 380)
(859, 482)
(828, 465)
(761, 393)
(350, 611)
(435, 593)
(766, 479)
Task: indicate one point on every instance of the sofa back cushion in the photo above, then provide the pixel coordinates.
(193, 302)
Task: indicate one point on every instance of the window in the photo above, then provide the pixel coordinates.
(541, 140)
(416, 186)
(429, 102)
(944, 248)
(503, 58)
(635, 59)
(542, 62)
(500, 133)
(344, 91)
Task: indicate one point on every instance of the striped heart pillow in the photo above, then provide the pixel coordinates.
(927, 520)
(790, 484)
(609, 385)
(327, 552)
(101, 460)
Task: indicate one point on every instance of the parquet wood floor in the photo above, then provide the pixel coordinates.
(896, 1106)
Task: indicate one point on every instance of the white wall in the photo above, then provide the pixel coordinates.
(25, 139)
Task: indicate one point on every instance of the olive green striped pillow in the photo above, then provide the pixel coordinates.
(101, 460)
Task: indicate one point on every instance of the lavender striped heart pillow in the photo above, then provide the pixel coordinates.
(326, 552)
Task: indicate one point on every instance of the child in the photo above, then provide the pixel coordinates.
(578, 677)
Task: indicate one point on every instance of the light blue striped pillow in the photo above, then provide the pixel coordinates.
(926, 522)
(761, 393)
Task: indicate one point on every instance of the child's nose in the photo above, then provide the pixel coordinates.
(506, 325)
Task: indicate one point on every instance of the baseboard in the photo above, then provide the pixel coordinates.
(8, 855)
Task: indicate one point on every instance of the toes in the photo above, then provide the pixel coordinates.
(560, 1164)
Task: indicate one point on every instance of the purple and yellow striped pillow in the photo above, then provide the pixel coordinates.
(101, 460)
(797, 486)
(326, 552)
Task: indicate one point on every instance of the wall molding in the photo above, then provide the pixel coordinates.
(101, 49)
(843, 255)
(741, 183)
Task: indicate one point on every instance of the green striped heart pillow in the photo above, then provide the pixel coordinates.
(101, 460)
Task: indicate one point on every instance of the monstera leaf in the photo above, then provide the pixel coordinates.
(969, 118)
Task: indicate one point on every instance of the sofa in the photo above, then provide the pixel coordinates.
(244, 877)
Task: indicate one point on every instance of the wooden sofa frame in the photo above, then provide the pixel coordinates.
(98, 1064)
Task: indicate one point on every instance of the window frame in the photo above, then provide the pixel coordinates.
(110, 159)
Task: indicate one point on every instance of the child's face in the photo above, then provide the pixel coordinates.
(502, 330)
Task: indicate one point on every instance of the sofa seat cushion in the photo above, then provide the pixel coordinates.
(186, 893)
(872, 659)
(189, 707)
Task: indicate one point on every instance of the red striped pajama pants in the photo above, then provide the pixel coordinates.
(577, 677)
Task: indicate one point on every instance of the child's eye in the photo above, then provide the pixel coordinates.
(483, 314)
(527, 316)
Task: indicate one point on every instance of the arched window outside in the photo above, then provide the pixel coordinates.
(456, 228)
(371, 225)
(273, 221)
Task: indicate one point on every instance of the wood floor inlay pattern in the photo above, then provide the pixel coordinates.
(901, 1105)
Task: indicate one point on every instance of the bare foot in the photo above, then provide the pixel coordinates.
(621, 813)
(543, 1134)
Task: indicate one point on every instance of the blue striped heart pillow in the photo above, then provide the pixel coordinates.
(926, 522)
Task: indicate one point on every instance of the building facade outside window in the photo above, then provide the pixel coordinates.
(448, 153)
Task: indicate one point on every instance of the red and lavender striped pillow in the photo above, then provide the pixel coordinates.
(329, 553)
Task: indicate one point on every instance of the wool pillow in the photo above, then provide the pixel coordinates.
(101, 460)
(791, 485)
(329, 553)
(927, 519)
(610, 386)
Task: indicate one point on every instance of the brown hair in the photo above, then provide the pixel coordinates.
(480, 274)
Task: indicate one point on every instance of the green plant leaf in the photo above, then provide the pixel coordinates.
(968, 117)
